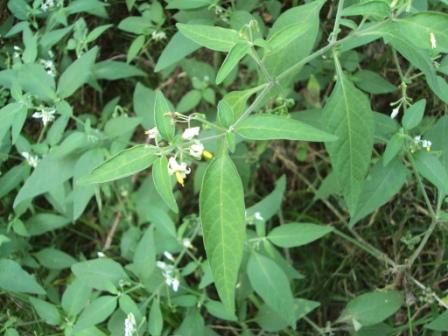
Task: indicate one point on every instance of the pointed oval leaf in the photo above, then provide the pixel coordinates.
(162, 120)
(223, 224)
(46, 311)
(145, 255)
(270, 127)
(235, 54)
(297, 234)
(77, 74)
(123, 164)
(270, 282)
(348, 115)
(96, 312)
(101, 273)
(15, 279)
(414, 115)
(381, 185)
(372, 308)
(163, 183)
(430, 167)
(215, 38)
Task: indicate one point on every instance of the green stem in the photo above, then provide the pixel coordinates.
(335, 33)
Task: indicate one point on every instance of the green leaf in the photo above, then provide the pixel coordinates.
(137, 25)
(418, 28)
(223, 224)
(135, 47)
(125, 163)
(414, 115)
(235, 55)
(83, 193)
(102, 274)
(7, 116)
(52, 258)
(164, 122)
(373, 8)
(285, 35)
(155, 319)
(372, 82)
(30, 42)
(297, 234)
(46, 311)
(145, 255)
(347, 114)
(430, 167)
(237, 101)
(13, 178)
(271, 127)
(270, 282)
(440, 323)
(393, 147)
(75, 297)
(144, 99)
(96, 312)
(97, 32)
(113, 70)
(215, 38)
(383, 183)
(271, 204)
(301, 46)
(372, 308)
(45, 222)
(189, 101)
(271, 321)
(437, 134)
(189, 4)
(163, 183)
(77, 74)
(14, 279)
(175, 51)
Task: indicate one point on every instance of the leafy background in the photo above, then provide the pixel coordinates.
(340, 230)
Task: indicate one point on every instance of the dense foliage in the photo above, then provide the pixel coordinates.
(223, 167)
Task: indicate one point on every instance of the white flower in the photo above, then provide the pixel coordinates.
(190, 133)
(162, 265)
(46, 114)
(395, 112)
(168, 255)
(173, 282)
(32, 160)
(432, 39)
(258, 216)
(187, 243)
(130, 325)
(179, 170)
(100, 254)
(196, 150)
(152, 133)
(49, 67)
(158, 35)
(48, 4)
(426, 144)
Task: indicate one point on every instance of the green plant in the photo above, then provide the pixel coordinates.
(137, 195)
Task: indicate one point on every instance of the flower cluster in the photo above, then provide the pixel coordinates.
(32, 160)
(195, 149)
(46, 114)
(130, 325)
(158, 36)
(47, 5)
(419, 142)
(49, 67)
(169, 272)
